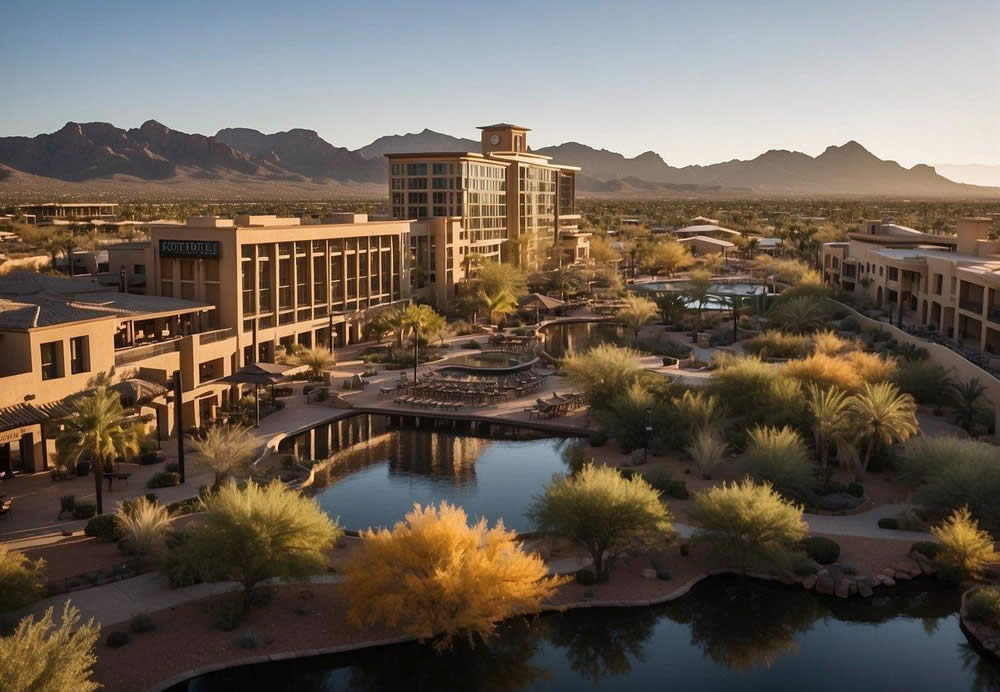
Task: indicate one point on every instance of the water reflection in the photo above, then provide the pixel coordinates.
(562, 338)
(726, 634)
(741, 626)
(598, 647)
(377, 470)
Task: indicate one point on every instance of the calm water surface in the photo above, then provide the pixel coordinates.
(561, 338)
(381, 470)
(724, 635)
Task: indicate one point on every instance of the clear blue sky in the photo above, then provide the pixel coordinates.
(697, 82)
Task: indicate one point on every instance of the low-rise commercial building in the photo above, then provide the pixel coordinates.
(48, 212)
(947, 283)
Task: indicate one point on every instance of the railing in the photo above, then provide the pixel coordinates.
(137, 353)
(216, 335)
(971, 305)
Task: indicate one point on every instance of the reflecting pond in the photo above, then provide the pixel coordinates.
(724, 635)
(379, 470)
(561, 338)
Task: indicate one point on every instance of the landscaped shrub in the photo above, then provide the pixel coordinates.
(775, 344)
(598, 438)
(164, 479)
(103, 527)
(149, 458)
(744, 384)
(747, 521)
(983, 605)
(828, 343)
(929, 549)
(585, 577)
(141, 623)
(247, 640)
(927, 382)
(966, 550)
(472, 343)
(226, 612)
(855, 489)
(22, 580)
(824, 371)
(889, 523)
(823, 550)
(950, 472)
(778, 456)
(66, 503)
(84, 510)
(871, 367)
(41, 655)
(707, 451)
(806, 568)
(172, 467)
(668, 487)
(117, 639)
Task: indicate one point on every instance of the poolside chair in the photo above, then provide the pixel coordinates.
(5, 507)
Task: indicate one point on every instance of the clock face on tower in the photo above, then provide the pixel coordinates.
(494, 139)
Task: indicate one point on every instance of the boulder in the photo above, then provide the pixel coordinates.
(649, 574)
(786, 577)
(902, 574)
(864, 587)
(843, 588)
(889, 572)
(909, 566)
(809, 582)
(926, 566)
(824, 584)
(888, 581)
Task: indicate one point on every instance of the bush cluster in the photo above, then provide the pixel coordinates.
(103, 527)
(823, 550)
(164, 479)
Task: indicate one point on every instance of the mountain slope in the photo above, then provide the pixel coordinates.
(414, 142)
(156, 161)
(304, 152)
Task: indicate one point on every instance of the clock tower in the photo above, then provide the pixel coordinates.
(504, 137)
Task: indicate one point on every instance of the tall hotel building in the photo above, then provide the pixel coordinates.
(510, 204)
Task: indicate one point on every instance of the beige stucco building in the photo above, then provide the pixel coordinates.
(511, 204)
(948, 283)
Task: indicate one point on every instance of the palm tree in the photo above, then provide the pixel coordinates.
(98, 431)
(564, 279)
(498, 305)
(698, 287)
(671, 304)
(224, 448)
(830, 408)
(496, 277)
(970, 399)
(420, 320)
(880, 412)
(637, 313)
(318, 358)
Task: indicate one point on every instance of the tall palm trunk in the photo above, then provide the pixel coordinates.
(97, 468)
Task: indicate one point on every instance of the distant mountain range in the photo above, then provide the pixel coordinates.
(156, 162)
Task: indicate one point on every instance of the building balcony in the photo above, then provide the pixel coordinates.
(135, 354)
(216, 335)
(975, 306)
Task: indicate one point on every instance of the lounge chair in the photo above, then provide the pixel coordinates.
(5, 507)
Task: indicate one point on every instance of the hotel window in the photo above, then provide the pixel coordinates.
(302, 281)
(337, 281)
(78, 355)
(395, 169)
(439, 169)
(416, 184)
(247, 278)
(264, 277)
(50, 360)
(284, 283)
(416, 169)
(139, 269)
(319, 279)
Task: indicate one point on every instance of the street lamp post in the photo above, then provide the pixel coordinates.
(649, 432)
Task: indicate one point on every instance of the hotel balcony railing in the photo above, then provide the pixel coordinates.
(216, 335)
(137, 353)
(971, 305)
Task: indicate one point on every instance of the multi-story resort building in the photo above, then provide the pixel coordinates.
(948, 283)
(511, 204)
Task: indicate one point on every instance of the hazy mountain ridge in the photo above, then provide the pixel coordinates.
(156, 161)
